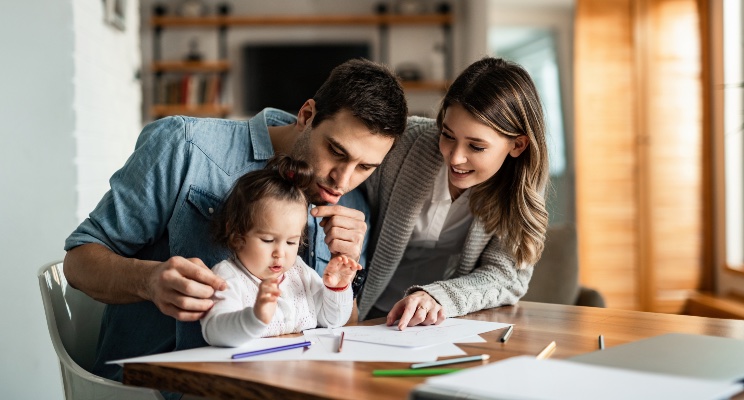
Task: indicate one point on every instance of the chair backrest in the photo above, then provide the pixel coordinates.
(72, 316)
(74, 322)
(556, 276)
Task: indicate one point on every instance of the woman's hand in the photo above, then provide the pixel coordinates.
(339, 272)
(417, 308)
(266, 299)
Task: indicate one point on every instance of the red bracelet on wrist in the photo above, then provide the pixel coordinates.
(338, 289)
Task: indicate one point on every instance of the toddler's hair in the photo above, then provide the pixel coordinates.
(283, 178)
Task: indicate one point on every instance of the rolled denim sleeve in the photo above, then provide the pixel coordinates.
(136, 210)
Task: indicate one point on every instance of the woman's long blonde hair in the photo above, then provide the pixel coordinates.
(511, 204)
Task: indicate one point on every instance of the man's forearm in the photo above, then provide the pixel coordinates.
(107, 276)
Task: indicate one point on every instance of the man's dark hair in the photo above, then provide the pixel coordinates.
(370, 91)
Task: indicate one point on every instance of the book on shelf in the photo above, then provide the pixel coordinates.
(189, 90)
(214, 90)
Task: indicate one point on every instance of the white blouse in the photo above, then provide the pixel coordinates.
(436, 243)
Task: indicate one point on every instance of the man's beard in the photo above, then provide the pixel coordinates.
(301, 151)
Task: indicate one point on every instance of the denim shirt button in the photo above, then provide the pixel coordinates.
(211, 210)
(312, 254)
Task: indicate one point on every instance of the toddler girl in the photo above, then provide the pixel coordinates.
(270, 290)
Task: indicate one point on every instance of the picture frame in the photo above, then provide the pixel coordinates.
(114, 12)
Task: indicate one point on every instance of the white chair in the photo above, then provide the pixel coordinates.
(74, 321)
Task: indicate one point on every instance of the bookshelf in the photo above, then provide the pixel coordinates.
(175, 94)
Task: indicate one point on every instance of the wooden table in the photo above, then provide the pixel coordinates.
(575, 330)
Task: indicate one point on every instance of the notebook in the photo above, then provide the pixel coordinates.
(697, 356)
(525, 377)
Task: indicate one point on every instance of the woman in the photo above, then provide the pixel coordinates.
(458, 209)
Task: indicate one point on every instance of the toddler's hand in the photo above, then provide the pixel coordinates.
(266, 299)
(340, 272)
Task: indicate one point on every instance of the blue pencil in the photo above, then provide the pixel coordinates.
(271, 350)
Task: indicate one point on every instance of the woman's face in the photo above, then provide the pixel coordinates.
(473, 151)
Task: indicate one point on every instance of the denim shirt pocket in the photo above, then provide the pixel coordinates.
(192, 236)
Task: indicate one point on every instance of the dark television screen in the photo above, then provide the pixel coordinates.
(285, 76)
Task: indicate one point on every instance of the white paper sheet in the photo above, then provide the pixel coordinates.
(525, 377)
(219, 354)
(449, 331)
(472, 339)
(325, 347)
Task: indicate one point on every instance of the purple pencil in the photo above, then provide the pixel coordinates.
(271, 350)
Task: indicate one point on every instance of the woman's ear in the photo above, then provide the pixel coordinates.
(520, 144)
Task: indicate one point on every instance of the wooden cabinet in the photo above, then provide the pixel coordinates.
(189, 87)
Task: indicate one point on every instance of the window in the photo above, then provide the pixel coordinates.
(539, 39)
(727, 32)
(733, 130)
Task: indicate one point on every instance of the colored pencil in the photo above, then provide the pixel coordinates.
(481, 357)
(271, 350)
(547, 351)
(413, 372)
(341, 342)
(507, 334)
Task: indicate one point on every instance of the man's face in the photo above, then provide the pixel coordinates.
(342, 152)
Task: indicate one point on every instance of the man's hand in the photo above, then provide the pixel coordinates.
(182, 288)
(340, 272)
(266, 299)
(418, 308)
(344, 229)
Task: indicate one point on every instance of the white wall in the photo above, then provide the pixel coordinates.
(66, 80)
(37, 175)
(108, 98)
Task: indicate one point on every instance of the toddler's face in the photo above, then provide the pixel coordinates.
(271, 246)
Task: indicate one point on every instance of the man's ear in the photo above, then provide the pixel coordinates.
(306, 115)
(520, 144)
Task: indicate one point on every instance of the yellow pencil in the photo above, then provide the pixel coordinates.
(547, 351)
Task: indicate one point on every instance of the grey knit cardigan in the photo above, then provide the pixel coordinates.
(483, 276)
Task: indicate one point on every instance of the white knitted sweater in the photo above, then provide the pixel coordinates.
(305, 303)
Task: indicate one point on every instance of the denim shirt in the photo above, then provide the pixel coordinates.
(161, 204)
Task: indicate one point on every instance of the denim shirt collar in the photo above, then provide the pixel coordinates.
(262, 148)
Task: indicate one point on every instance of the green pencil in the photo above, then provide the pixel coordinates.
(413, 372)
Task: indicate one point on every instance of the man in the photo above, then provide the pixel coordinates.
(146, 248)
